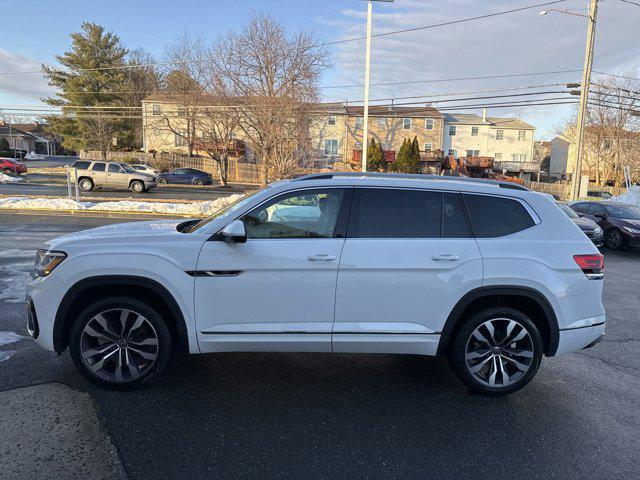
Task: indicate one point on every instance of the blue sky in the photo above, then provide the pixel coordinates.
(517, 43)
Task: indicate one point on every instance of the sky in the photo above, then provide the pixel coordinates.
(517, 43)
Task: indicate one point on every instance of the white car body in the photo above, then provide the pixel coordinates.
(141, 167)
(382, 295)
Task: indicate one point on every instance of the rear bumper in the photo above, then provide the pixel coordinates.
(575, 339)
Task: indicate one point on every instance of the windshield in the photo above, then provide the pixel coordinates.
(568, 210)
(237, 205)
(622, 211)
(127, 168)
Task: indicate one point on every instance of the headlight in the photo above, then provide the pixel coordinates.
(47, 260)
(632, 230)
(598, 230)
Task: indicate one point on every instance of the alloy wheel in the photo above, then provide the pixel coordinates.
(137, 187)
(499, 352)
(119, 345)
(85, 185)
(614, 239)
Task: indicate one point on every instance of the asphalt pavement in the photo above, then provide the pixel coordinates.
(288, 415)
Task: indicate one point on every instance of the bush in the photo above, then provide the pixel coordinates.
(375, 157)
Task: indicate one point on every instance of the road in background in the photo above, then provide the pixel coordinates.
(51, 161)
(288, 415)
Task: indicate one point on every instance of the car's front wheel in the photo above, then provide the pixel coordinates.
(137, 186)
(119, 343)
(86, 184)
(614, 239)
(497, 351)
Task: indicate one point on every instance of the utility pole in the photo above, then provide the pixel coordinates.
(367, 64)
(584, 99)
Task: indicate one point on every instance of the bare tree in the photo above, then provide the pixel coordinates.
(274, 77)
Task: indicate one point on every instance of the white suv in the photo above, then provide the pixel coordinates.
(490, 275)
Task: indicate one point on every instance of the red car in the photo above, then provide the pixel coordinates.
(9, 165)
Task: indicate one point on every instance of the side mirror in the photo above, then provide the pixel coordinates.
(234, 232)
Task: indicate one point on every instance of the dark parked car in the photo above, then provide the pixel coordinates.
(9, 165)
(189, 176)
(620, 222)
(590, 228)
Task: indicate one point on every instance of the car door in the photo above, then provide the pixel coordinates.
(98, 173)
(116, 176)
(180, 176)
(276, 291)
(408, 259)
(597, 214)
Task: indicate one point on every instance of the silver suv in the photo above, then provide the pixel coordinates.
(112, 175)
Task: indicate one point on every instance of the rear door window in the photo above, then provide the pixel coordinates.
(98, 167)
(581, 207)
(115, 168)
(496, 216)
(396, 213)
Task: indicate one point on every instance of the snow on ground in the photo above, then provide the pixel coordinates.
(632, 197)
(195, 208)
(9, 179)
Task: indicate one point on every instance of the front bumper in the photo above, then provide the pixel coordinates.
(44, 294)
(149, 185)
(574, 339)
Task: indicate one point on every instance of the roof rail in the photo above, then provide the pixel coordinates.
(408, 176)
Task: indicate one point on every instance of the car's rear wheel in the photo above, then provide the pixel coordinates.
(497, 351)
(162, 181)
(137, 186)
(119, 343)
(198, 183)
(86, 184)
(614, 239)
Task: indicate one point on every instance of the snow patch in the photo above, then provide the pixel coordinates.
(196, 208)
(9, 337)
(632, 197)
(4, 178)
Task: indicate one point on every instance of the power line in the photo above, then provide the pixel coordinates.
(631, 3)
(324, 44)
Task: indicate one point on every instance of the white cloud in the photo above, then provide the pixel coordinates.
(20, 89)
(516, 43)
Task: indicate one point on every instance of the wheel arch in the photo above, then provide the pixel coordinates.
(137, 287)
(517, 297)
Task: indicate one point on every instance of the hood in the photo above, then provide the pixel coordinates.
(118, 232)
(585, 223)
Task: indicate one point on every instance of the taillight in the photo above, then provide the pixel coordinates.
(592, 265)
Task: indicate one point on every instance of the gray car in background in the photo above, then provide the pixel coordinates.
(97, 174)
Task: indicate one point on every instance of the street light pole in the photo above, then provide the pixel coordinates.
(367, 64)
(584, 99)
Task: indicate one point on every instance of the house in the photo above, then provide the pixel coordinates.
(45, 143)
(17, 138)
(336, 132)
(606, 152)
(509, 141)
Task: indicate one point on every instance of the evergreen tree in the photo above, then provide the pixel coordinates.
(408, 159)
(85, 82)
(401, 157)
(375, 157)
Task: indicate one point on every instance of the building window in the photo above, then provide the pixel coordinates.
(406, 124)
(179, 140)
(428, 124)
(452, 131)
(182, 112)
(522, 135)
(428, 147)
(331, 147)
(473, 153)
(498, 156)
(155, 109)
(500, 135)
(358, 123)
(331, 120)
(474, 131)
(519, 157)
(382, 122)
(452, 152)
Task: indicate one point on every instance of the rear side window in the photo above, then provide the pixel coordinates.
(496, 216)
(81, 165)
(397, 213)
(581, 207)
(98, 167)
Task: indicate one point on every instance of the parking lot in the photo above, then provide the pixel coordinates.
(280, 415)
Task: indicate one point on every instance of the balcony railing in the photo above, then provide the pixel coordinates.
(511, 166)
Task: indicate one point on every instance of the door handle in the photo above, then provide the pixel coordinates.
(445, 257)
(321, 257)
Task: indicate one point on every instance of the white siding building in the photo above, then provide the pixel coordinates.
(508, 140)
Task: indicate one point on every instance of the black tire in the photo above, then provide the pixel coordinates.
(107, 307)
(162, 181)
(137, 186)
(198, 183)
(86, 184)
(500, 360)
(614, 240)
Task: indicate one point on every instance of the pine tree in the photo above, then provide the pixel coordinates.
(401, 157)
(375, 157)
(408, 159)
(85, 82)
